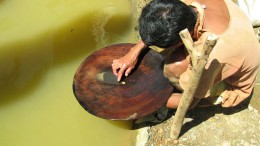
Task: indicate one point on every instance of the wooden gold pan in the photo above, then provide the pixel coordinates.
(141, 93)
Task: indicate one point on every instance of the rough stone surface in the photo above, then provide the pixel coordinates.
(137, 6)
(255, 102)
(211, 126)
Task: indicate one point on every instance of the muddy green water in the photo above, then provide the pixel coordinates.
(42, 43)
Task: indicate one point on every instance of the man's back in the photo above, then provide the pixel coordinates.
(217, 16)
(234, 59)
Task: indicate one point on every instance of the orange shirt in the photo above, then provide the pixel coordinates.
(235, 60)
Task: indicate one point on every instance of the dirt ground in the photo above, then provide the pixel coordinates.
(211, 126)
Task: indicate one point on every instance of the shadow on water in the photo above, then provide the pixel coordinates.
(25, 62)
(122, 124)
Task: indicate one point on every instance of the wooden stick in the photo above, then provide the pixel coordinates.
(199, 57)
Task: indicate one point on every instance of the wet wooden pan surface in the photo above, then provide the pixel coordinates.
(141, 93)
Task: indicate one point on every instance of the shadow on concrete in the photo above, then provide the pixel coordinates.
(200, 115)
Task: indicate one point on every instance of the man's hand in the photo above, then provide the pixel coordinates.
(229, 98)
(124, 65)
(127, 62)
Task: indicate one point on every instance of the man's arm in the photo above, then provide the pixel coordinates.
(175, 98)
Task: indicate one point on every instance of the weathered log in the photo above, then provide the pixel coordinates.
(199, 57)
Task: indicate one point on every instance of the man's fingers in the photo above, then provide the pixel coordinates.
(127, 72)
(229, 99)
(115, 67)
(119, 68)
(121, 72)
(119, 75)
(115, 61)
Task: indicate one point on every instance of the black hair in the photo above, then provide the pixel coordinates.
(161, 21)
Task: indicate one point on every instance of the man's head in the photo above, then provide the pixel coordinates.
(162, 20)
